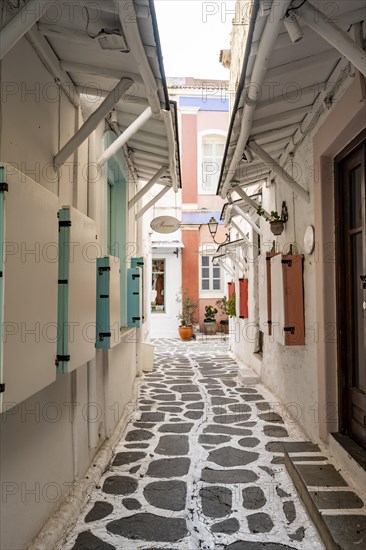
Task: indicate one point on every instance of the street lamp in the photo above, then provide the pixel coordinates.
(212, 227)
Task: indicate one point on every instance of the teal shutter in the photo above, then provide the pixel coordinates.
(133, 297)
(103, 329)
(64, 225)
(139, 262)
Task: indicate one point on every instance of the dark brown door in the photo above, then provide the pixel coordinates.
(351, 288)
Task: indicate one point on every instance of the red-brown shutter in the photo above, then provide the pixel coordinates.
(231, 289)
(243, 295)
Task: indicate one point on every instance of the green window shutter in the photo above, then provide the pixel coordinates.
(63, 355)
(103, 333)
(134, 275)
(139, 262)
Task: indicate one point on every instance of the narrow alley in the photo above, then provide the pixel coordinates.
(200, 464)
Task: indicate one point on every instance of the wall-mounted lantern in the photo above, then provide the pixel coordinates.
(212, 227)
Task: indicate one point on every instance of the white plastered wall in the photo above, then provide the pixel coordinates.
(44, 440)
(291, 372)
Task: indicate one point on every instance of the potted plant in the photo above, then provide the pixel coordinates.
(231, 306)
(209, 322)
(222, 305)
(187, 316)
(276, 221)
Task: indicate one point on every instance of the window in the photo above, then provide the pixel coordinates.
(158, 286)
(212, 154)
(210, 275)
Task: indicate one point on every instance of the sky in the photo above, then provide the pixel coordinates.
(192, 33)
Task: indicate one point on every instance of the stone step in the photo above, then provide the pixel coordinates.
(337, 512)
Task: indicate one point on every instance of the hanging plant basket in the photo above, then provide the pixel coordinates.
(277, 227)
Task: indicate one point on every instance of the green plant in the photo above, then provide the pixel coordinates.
(275, 217)
(189, 307)
(231, 307)
(210, 313)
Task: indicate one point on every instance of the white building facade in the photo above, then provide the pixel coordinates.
(85, 122)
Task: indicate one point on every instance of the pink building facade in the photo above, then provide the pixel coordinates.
(204, 119)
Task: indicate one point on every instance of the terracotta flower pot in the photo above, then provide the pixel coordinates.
(185, 332)
(277, 227)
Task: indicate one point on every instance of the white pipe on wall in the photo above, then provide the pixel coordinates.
(92, 122)
(125, 136)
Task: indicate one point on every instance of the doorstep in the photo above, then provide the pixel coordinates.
(219, 336)
(350, 456)
(336, 510)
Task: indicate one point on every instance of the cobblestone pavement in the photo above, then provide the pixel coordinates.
(197, 467)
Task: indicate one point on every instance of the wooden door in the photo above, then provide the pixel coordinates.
(351, 288)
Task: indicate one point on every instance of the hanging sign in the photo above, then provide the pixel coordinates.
(165, 224)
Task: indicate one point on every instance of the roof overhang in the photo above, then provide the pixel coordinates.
(284, 87)
(89, 73)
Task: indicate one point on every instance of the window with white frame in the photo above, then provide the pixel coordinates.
(213, 147)
(210, 276)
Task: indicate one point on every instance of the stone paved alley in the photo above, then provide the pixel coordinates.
(199, 465)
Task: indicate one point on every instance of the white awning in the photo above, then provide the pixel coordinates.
(88, 54)
(285, 87)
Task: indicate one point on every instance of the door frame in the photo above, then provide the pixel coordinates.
(342, 321)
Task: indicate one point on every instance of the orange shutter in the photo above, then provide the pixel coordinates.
(231, 289)
(243, 294)
(294, 300)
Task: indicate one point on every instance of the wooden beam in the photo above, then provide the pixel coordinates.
(51, 60)
(279, 170)
(148, 186)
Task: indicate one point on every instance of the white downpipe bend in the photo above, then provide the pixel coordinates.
(171, 148)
